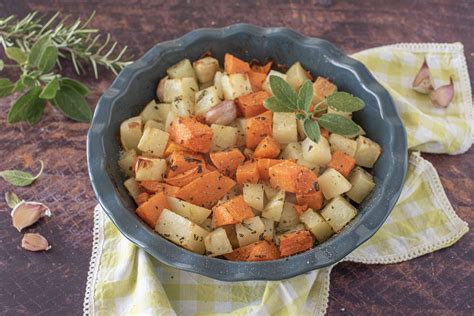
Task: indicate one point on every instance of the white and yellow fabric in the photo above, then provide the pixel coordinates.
(125, 280)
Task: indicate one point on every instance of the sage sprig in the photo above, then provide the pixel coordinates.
(36, 46)
(285, 99)
(21, 178)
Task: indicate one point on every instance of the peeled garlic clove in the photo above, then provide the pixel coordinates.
(223, 113)
(34, 242)
(443, 95)
(422, 82)
(27, 213)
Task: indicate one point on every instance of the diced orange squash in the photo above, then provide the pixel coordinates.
(256, 80)
(291, 177)
(186, 177)
(192, 134)
(206, 190)
(227, 161)
(295, 242)
(151, 210)
(258, 251)
(172, 147)
(142, 198)
(265, 69)
(342, 163)
(300, 208)
(247, 173)
(181, 161)
(267, 148)
(322, 88)
(264, 164)
(258, 127)
(153, 186)
(251, 104)
(234, 65)
(313, 199)
(231, 212)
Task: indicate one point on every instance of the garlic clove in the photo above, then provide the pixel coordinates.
(27, 213)
(443, 95)
(422, 82)
(223, 113)
(34, 242)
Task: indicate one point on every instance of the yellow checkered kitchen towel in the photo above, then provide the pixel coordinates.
(124, 279)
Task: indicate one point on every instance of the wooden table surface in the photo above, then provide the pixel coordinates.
(53, 283)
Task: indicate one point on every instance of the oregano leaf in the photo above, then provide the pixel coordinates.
(311, 129)
(273, 104)
(6, 87)
(344, 102)
(49, 92)
(20, 178)
(78, 86)
(16, 54)
(72, 104)
(338, 124)
(283, 92)
(23, 106)
(305, 95)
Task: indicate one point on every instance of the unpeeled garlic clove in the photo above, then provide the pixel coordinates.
(34, 242)
(27, 213)
(422, 82)
(223, 113)
(443, 95)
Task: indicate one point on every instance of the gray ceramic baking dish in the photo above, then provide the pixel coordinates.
(135, 86)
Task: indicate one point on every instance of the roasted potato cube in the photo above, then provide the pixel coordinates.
(296, 76)
(289, 217)
(274, 207)
(131, 132)
(154, 124)
(249, 231)
(217, 243)
(155, 111)
(181, 231)
(284, 127)
(150, 169)
(266, 84)
(218, 84)
(338, 213)
(316, 224)
(184, 88)
(126, 162)
(269, 232)
(235, 85)
(205, 69)
(362, 184)
(344, 144)
(194, 213)
(206, 99)
(223, 137)
(367, 152)
(317, 153)
(170, 119)
(332, 183)
(182, 107)
(254, 196)
(270, 192)
(292, 151)
(132, 187)
(180, 70)
(153, 142)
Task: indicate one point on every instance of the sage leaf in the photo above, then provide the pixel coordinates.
(16, 54)
(37, 50)
(273, 104)
(344, 102)
(300, 116)
(49, 92)
(338, 124)
(72, 104)
(48, 59)
(283, 92)
(311, 129)
(35, 112)
(6, 87)
(12, 199)
(20, 178)
(24, 106)
(305, 96)
(78, 86)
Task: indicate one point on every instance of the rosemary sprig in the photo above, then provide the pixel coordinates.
(36, 46)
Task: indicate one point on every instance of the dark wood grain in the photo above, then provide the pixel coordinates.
(53, 283)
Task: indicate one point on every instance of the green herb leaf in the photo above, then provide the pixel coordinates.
(27, 80)
(300, 116)
(6, 87)
(338, 124)
(35, 112)
(48, 59)
(311, 129)
(273, 104)
(12, 199)
(37, 50)
(344, 102)
(284, 92)
(305, 96)
(49, 92)
(24, 106)
(16, 54)
(1, 65)
(72, 104)
(78, 86)
(20, 178)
